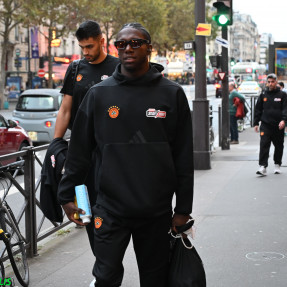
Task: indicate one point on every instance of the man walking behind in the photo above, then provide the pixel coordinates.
(140, 124)
(95, 67)
(232, 112)
(271, 111)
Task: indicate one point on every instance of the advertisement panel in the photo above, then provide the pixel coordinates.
(14, 84)
(281, 63)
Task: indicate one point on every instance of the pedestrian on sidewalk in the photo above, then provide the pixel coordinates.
(271, 113)
(139, 122)
(232, 113)
(80, 76)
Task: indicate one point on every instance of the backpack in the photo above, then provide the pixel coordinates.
(75, 70)
(240, 111)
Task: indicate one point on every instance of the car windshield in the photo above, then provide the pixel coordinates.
(35, 103)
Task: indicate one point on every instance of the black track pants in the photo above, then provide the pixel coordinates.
(267, 135)
(151, 245)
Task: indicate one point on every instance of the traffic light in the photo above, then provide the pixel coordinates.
(17, 62)
(224, 12)
(232, 61)
(215, 61)
(41, 62)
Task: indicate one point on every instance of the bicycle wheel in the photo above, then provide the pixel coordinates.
(15, 246)
(2, 270)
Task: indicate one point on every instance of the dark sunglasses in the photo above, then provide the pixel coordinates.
(134, 43)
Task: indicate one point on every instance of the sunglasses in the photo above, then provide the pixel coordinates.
(134, 43)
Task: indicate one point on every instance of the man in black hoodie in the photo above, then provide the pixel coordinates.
(140, 124)
(271, 111)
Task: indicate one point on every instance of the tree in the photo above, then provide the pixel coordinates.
(10, 17)
(52, 15)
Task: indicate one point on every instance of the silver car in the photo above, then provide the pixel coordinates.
(36, 111)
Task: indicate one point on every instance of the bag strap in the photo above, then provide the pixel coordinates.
(75, 69)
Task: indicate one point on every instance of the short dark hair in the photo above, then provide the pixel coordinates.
(272, 76)
(281, 84)
(139, 27)
(88, 29)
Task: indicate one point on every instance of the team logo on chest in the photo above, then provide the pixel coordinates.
(114, 112)
(79, 78)
(153, 113)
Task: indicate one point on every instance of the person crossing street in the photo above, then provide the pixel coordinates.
(271, 112)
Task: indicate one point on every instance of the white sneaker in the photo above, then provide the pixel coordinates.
(92, 284)
(262, 170)
(277, 169)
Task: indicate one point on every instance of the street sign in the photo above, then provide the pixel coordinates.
(221, 75)
(203, 29)
(41, 73)
(188, 45)
(17, 52)
(222, 42)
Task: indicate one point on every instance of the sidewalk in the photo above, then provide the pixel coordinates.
(241, 228)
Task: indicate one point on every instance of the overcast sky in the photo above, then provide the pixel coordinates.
(269, 16)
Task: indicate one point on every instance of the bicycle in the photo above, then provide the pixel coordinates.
(9, 231)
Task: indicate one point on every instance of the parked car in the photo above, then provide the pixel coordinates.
(249, 88)
(13, 138)
(36, 111)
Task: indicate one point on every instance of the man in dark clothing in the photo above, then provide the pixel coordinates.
(232, 112)
(94, 68)
(140, 124)
(271, 110)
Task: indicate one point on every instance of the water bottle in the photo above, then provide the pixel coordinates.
(83, 202)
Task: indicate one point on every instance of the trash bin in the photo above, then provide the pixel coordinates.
(6, 105)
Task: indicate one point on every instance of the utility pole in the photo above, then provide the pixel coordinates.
(224, 18)
(225, 94)
(29, 61)
(200, 103)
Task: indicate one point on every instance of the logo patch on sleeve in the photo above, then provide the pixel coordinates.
(153, 113)
(98, 222)
(79, 78)
(277, 100)
(114, 112)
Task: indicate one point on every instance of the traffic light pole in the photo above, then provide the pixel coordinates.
(225, 94)
(29, 62)
(200, 103)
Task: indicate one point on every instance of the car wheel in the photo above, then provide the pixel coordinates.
(21, 170)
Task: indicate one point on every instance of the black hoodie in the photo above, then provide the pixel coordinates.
(271, 108)
(142, 132)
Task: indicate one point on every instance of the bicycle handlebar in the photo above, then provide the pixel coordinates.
(17, 164)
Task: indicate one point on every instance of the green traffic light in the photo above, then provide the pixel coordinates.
(222, 19)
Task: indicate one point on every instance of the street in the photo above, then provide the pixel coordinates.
(240, 220)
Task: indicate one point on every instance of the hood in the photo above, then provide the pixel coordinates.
(151, 75)
(273, 91)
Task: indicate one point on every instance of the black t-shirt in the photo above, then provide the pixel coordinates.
(87, 76)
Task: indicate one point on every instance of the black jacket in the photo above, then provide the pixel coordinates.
(51, 175)
(271, 108)
(142, 131)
